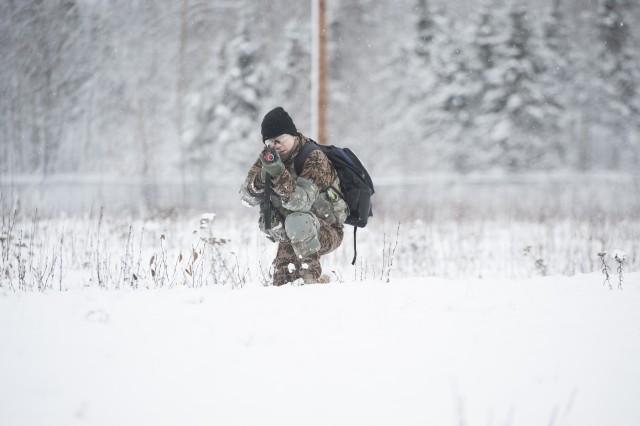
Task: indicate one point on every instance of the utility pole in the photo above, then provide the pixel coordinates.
(180, 93)
(319, 71)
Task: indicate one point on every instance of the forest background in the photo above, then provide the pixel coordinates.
(172, 92)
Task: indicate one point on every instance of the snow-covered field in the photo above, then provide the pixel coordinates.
(423, 351)
(117, 252)
(471, 321)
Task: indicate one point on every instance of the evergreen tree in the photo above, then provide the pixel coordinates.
(425, 81)
(514, 113)
(618, 74)
(458, 96)
(426, 29)
(83, 82)
(489, 41)
(229, 120)
(558, 78)
(290, 70)
(556, 57)
(42, 46)
(353, 69)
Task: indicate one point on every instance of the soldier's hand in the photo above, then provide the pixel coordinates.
(262, 176)
(271, 162)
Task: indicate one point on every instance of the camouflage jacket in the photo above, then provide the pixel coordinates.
(311, 191)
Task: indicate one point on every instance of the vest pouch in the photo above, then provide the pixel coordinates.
(330, 208)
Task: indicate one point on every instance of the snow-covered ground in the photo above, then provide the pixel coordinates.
(414, 351)
(109, 320)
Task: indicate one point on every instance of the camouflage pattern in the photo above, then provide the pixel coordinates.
(303, 197)
(302, 230)
(330, 207)
(247, 191)
(313, 191)
(288, 267)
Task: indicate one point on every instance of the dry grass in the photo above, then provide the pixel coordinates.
(180, 250)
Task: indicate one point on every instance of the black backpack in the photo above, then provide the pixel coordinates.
(356, 187)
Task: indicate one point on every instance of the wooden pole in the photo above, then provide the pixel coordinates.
(319, 71)
(323, 93)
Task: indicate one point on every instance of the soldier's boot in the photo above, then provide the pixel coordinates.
(324, 279)
(282, 276)
(311, 270)
(313, 279)
(282, 269)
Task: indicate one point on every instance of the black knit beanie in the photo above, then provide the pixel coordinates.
(277, 122)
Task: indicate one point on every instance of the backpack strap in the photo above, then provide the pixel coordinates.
(355, 249)
(302, 155)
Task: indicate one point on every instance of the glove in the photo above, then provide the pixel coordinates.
(262, 176)
(271, 162)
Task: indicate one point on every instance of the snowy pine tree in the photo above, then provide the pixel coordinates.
(514, 112)
(423, 85)
(178, 84)
(426, 29)
(489, 41)
(556, 77)
(617, 89)
(229, 119)
(458, 94)
(42, 45)
(290, 87)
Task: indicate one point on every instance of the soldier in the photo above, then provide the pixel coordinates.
(303, 212)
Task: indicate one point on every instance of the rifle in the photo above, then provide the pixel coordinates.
(270, 155)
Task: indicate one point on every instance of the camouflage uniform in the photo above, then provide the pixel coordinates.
(308, 202)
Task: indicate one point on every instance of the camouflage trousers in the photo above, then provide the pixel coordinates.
(288, 267)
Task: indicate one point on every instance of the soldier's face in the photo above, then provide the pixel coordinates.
(283, 144)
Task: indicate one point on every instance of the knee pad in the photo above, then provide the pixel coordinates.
(302, 230)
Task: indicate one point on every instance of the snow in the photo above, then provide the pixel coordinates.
(116, 309)
(554, 350)
(619, 256)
